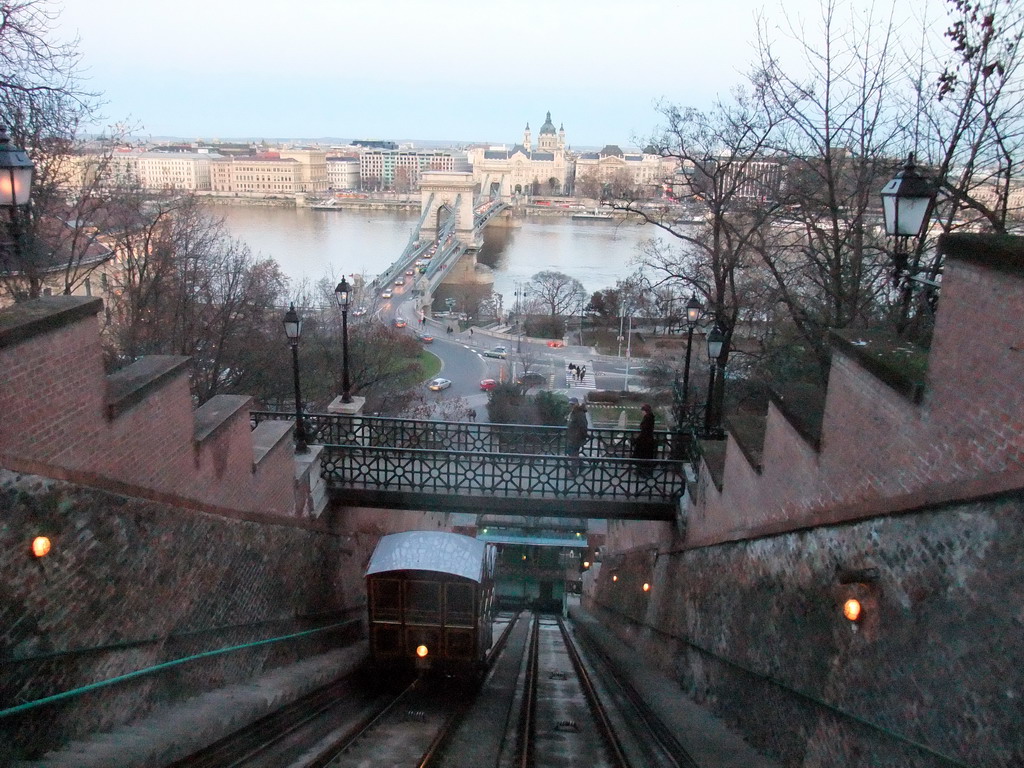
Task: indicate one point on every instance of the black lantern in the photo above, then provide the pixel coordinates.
(716, 339)
(15, 174)
(293, 330)
(344, 298)
(693, 310)
(907, 201)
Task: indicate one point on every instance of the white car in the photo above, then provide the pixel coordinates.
(436, 385)
(387, 294)
(499, 352)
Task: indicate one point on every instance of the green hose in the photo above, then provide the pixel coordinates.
(157, 668)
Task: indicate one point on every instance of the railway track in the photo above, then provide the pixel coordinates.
(545, 701)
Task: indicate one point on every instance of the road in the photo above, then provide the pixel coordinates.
(461, 354)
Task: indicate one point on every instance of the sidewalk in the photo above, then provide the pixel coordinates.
(176, 731)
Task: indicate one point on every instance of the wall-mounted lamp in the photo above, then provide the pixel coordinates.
(852, 609)
(615, 577)
(586, 563)
(41, 546)
(646, 587)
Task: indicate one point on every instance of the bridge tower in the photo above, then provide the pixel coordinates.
(448, 193)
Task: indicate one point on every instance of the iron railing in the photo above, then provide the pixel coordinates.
(418, 434)
(502, 475)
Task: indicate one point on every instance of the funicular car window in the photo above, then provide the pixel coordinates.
(458, 602)
(422, 602)
(387, 600)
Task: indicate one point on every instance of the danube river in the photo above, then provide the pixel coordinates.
(311, 244)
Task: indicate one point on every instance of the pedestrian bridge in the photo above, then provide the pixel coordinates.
(373, 461)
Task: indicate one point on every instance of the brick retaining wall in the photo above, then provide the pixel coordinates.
(936, 658)
(124, 569)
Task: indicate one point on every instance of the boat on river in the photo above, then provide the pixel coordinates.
(593, 214)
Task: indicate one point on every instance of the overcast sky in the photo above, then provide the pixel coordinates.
(413, 69)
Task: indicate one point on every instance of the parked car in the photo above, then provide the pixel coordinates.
(436, 385)
(400, 322)
(426, 338)
(358, 311)
(532, 379)
(488, 384)
(499, 352)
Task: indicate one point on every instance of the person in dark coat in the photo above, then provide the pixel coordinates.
(645, 446)
(576, 433)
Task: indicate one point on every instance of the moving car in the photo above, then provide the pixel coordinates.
(488, 384)
(410, 272)
(499, 352)
(426, 338)
(400, 281)
(532, 379)
(387, 294)
(400, 322)
(436, 385)
(358, 311)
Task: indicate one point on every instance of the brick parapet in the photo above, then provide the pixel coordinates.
(137, 428)
(879, 449)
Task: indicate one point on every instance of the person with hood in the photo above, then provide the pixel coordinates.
(645, 446)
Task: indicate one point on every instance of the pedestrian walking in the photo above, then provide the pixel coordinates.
(576, 433)
(449, 331)
(472, 414)
(470, 331)
(644, 447)
(583, 373)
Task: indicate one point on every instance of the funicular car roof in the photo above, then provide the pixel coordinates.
(437, 551)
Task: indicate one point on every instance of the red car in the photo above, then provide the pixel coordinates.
(488, 384)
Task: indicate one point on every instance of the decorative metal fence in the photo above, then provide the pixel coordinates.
(383, 432)
(503, 475)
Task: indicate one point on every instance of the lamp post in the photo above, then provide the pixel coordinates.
(344, 297)
(907, 202)
(293, 330)
(15, 184)
(715, 341)
(682, 394)
(693, 310)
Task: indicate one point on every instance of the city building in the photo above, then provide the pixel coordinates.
(621, 173)
(402, 169)
(343, 173)
(546, 170)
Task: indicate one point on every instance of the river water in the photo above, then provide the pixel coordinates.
(310, 244)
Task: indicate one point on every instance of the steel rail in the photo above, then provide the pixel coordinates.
(596, 707)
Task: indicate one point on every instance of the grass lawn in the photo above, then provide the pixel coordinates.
(430, 364)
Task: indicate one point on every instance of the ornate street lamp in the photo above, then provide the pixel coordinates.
(693, 310)
(715, 341)
(907, 202)
(344, 298)
(15, 185)
(15, 174)
(293, 330)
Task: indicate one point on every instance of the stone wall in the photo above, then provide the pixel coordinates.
(152, 583)
(754, 629)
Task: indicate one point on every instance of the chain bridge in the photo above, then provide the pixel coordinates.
(452, 218)
(392, 463)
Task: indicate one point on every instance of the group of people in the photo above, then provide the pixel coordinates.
(577, 433)
(578, 372)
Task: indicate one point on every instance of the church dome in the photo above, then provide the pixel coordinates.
(548, 127)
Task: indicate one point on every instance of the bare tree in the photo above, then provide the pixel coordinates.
(838, 131)
(558, 293)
